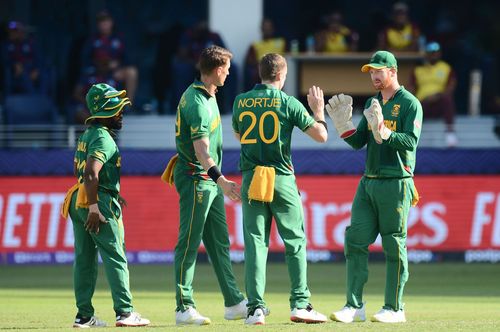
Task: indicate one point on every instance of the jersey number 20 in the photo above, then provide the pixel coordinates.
(246, 140)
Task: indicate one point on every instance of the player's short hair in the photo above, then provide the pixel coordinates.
(213, 57)
(270, 65)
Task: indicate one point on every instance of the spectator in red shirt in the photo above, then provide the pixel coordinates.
(108, 46)
(22, 61)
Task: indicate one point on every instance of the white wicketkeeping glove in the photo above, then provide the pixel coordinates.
(339, 108)
(373, 115)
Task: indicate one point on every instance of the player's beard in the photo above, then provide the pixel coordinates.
(380, 84)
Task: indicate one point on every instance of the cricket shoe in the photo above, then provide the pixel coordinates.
(191, 317)
(307, 315)
(88, 322)
(257, 317)
(237, 311)
(131, 319)
(389, 316)
(349, 314)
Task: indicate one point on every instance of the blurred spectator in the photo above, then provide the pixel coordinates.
(269, 44)
(100, 73)
(108, 46)
(402, 35)
(184, 65)
(22, 62)
(336, 37)
(434, 84)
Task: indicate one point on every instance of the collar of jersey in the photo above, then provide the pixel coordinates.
(200, 86)
(401, 88)
(99, 125)
(262, 86)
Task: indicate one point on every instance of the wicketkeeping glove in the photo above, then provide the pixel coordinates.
(339, 108)
(373, 115)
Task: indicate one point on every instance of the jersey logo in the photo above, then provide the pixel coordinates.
(182, 103)
(199, 196)
(395, 110)
(194, 130)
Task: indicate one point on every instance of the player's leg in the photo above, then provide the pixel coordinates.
(257, 220)
(111, 244)
(393, 203)
(85, 265)
(287, 210)
(359, 235)
(195, 198)
(216, 241)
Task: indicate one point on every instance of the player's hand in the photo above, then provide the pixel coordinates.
(339, 108)
(375, 118)
(94, 219)
(231, 189)
(316, 101)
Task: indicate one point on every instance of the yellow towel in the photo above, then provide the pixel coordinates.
(416, 196)
(81, 199)
(67, 200)
(262, 185)
(168, 173)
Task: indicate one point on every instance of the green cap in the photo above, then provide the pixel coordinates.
(104, 101)
(379, 60)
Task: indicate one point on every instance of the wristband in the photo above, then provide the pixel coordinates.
(324, 124)
(214, 173)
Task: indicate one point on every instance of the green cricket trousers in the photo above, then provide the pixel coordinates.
(109, 242)
(286, 208)
(202, 217)
(380, 206)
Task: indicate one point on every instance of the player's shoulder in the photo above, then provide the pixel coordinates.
(409, 99)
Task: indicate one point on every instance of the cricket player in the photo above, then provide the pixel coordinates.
(263, 120)
(201, 187)
(95, 207)
(390, 129)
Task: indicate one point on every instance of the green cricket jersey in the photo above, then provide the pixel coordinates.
(96, 142)
(395, 157)
(197, 116)
(264, 118)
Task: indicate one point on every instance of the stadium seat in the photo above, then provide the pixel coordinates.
(29, 109)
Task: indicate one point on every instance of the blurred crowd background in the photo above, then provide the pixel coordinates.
(53, 50)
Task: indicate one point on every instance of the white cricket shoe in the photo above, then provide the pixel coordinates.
(389, 316)
(238, 311)
(88, 322)
(191, 317)
(307, 315)
(349, 314)
(131, 319)
(257, 318)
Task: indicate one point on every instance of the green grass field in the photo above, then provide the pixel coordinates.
(439, 297)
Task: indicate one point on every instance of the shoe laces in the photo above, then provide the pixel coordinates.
(251, 312)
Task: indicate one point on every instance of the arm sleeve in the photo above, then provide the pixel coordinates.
(360, 137)
(101, 149)
(299, 115)
(198, 120)
(407, 138)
